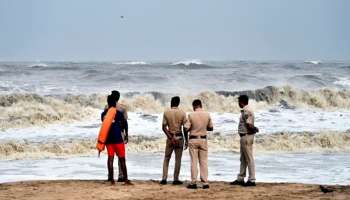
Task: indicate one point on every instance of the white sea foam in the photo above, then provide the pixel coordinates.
(314, 62)
(264, 143)
(25, 110)
(188, 62)
(301, 168)
(38, 65)
(131, 63)
(280, 131)
(343, 81)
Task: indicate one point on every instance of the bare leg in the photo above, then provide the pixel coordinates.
(110, 169)
(125, 172)
(120, 171)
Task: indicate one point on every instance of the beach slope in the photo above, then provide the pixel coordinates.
(96, 190)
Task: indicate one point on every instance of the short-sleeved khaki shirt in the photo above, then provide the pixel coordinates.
(247, 117)
(174, 118)
(198, 122)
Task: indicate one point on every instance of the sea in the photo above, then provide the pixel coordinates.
(50, 117)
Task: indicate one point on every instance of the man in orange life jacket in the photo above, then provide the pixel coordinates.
(115, 143)
(121, 108)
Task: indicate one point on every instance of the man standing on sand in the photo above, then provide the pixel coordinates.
(173, 121)
(114, 142)
(121, 108)
(246, 131)
(198, 123)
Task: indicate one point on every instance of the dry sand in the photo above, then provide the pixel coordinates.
(96, 190)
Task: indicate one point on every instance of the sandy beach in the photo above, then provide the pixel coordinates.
(96, 189)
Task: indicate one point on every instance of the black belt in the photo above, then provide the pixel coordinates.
(178, 134)
(241, 135)
(198, 137)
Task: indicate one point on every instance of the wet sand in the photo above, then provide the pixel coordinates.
(98, 190)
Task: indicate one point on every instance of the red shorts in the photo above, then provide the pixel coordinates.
(118, 149)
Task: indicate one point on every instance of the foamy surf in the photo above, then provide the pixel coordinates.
(223, 166)
(50, 116)
(343, 81)
(284, 142)
(38, 65)
(131, 63)
(24, 110)
(314, 62)
(188, 62)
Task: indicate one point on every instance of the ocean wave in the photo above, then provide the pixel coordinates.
(38, 65)
(264, 143)
(188, 62)
(308, 81)
(345, 67)
(314, 62)
(343, 81)
(325, 98)
(131, 63)
(22, 110)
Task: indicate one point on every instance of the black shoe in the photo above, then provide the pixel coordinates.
(163, 182)
(192, 186)
(249, 184)
(120, 180)
(177, 182)
(128, 182)
(205, 186)
(237, 182)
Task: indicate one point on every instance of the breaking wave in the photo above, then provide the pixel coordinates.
(264, 143)
(38, 65)
(22, 110)
(343, 81)
(131, 63)
(314, 62)
(189, 62)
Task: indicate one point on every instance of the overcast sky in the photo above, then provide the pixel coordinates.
(174, 29)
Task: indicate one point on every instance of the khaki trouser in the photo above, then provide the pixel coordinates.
(247, 159)
(169, 148)
(198, 149)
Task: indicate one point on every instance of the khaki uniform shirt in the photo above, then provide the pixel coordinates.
(247, 117)
(174, 118)
(198, 122)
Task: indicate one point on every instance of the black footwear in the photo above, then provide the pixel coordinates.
(163, 182)
(120, 180)
(205, 186)
(237, 182)
(128, 182)
(192, 186)
(177, 182)
(249, 184)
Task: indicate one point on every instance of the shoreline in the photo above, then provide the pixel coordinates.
(151, 189)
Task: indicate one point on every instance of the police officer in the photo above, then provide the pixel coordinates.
(198, 123)
(173, 121)
(246, 131)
